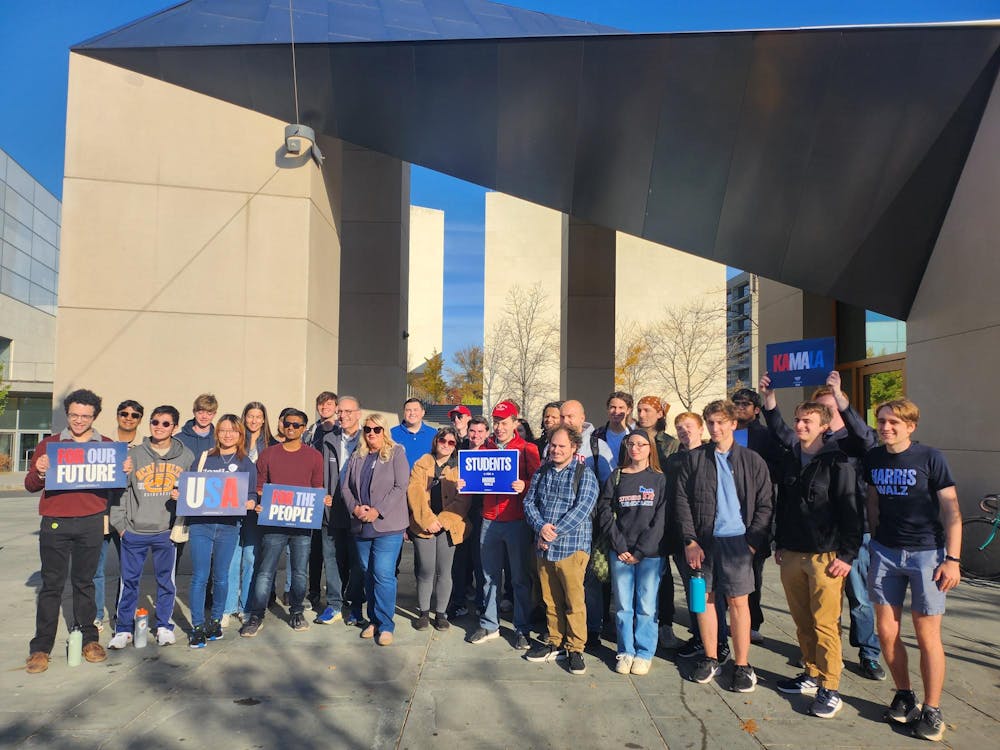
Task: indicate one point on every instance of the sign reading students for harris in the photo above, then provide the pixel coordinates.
(85, 466)
(487, 471)
(291, 507)
(791, 364)
(213, 493)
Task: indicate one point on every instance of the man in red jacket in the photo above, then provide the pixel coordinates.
(69, 539)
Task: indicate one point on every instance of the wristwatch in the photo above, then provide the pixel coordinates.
(950, 558)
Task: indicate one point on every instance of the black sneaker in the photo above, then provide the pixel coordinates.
(723, 652)
(482, 635)
(543, 652)
(298, 622)
(903, 709)
(196, 639)
(803, 685)
(692, 649)
(705, 670)
(521, 642)
(441, 621)
(576, 665)
(251, 627)
(871, 669)
(930, 726)
(827, 704)
(423, 622)
(744, 679)
(213, 631)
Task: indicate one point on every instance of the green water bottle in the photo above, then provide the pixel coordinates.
(74, 646)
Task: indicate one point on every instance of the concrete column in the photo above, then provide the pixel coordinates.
(374, 278)
(587, 341)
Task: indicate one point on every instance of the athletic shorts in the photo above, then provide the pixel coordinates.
(728, 567)
(892, 570)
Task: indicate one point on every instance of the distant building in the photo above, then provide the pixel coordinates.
(425, 309)
(741, 331)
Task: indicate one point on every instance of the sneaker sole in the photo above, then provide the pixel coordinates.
(554, 656)
(488, 637)
(200, 645)
(734, 689)
(578, 671)
(713, 675)
(829, 714)
(911, 717)
(253, 634)
(936, 737)
(801, 691)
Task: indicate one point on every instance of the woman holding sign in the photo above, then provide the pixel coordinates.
(437, 524)
(375, 495)
(214, 538)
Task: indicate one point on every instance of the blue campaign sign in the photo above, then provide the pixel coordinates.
(791, 364)
(85, 466)
(741, 437)
(213, 493)
(291, 507)
(487, 471)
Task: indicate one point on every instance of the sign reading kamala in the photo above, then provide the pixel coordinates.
(791, 364)
(292, 507)
(85, 466)
(213, 493)
(487, 471)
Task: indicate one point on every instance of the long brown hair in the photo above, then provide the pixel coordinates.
(265, 429)
(241, 441)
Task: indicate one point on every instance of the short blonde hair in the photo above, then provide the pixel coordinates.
(902, 408)
(385, 454)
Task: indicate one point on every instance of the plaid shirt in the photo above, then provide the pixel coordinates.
(550, 499)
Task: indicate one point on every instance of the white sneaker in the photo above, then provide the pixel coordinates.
(641, 666)
(668, 640)
(165, 637)
(99, 624)
(624, 665)
(224, 622)
(120, 640)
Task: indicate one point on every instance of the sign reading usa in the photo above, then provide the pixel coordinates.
(791, 364)
(291, 507)
(487, 471)
(85, 466)
(212, 493)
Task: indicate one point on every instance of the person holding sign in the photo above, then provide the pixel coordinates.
(374, 491)
(213, 538)
(437, 524)
(69, 538)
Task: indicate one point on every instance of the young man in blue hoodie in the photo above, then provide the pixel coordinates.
(198, 433)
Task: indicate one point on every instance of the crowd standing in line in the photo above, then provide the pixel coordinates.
(592, 519)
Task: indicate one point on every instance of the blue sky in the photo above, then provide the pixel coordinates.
(35, 36)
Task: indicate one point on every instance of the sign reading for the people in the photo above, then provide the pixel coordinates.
(291, 507)
(213, 493)
(85, 466)
(487, 471)
(792, 364)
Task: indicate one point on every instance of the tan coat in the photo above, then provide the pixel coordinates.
(455, 507)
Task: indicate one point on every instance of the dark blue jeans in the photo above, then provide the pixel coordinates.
(212, 546)
(863, 635)
(378, 565)
(340, 558)
(99, 577)
(272, 544)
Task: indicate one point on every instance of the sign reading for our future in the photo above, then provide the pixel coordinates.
(487, 471)
(792, 364)
(85, 466)
(291, 507)
(213, 493)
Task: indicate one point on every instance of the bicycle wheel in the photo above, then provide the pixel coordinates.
(980, 563)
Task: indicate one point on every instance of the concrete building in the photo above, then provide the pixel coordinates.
(742, 311)
(425, 324)
(29, 272)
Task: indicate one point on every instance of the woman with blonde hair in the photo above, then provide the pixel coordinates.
(374, 491)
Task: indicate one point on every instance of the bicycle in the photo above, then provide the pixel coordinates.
(980, 546)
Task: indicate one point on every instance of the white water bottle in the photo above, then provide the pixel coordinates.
(74, 646)
(141, 628)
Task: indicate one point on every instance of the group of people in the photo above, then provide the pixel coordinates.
(592, 520)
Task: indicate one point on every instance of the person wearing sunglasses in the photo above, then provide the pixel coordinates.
(143, 518)
(374, 492)
(129, 416)
(437, 524)
(292, 463)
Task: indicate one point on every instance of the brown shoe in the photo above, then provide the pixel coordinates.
(37, 662)
(368, 632)
(94, 652)
(384, 638)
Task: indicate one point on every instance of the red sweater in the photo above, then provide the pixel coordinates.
(64, 503)
(301, 468)
(511, 507)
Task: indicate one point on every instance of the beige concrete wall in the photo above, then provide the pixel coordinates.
(426, 285)
(953, 332)
(194, 257)
(32, 353)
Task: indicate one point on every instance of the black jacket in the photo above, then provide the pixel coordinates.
(697, 485)
(637, 527)
(817, 508)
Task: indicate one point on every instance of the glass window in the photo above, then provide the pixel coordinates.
(36, 413)
(8, 420)
(46, 203)
(16, 261)
(14, 286)
(45, 253)
(45, 227)
(17, 234)
(6, 451)
(883, 335)
(42, 275)
(18, 206)
(42, 298)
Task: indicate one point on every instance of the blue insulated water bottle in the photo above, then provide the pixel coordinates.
(696, 592)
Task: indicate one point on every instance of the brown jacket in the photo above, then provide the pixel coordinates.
(455, 507)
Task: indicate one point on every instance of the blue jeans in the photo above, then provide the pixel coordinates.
(863, 635)
(211, 546)
(378, 566)
(516, 537)
(636, 588)
(334, 583)
(272, 544)
(99, 579)
(241, 569)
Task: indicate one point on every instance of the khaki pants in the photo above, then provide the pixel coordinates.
(815, 601)
(562, 592)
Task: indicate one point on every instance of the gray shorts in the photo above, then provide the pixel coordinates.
(891, 570)
(728, 567)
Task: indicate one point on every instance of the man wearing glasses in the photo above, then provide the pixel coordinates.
(292, 463)
(460, 416)
(129, 416)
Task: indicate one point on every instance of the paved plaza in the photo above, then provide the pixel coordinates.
(326, 687)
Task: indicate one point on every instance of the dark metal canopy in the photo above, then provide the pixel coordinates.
(822, 158)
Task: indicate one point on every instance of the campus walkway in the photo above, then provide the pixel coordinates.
(325, 687)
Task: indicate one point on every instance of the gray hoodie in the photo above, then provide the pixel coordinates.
(145, 506)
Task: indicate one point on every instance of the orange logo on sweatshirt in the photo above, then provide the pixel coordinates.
(158, 477)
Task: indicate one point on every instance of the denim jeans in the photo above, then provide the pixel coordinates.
(334, 583)
(272, 544)
(863, 634)
(134, 551)
(99, 578)
(636, 588)
(516, 538)
(211, 546)
(378, 565)
(241, 569)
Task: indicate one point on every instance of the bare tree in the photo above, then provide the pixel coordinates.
(494, 346)
(690, 351)
(635, 371)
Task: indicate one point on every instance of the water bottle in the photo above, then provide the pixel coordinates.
(141, 628)
(74, 646)
(696, 592)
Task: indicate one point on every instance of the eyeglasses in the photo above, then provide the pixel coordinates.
(228, 432)
(293, 425)
(346, 411)
(376, 429)
(129, 415)
(446, 441)
(81, 417)
(742, 403)
(158, 423)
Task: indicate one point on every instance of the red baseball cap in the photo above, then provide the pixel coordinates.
(504, 409)
(460, 409)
